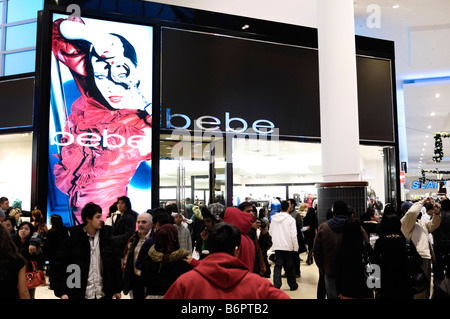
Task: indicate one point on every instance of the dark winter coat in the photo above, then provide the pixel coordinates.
(123, 228)
(76, 250)
(159, 275)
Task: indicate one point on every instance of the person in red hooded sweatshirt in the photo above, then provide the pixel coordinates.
(244, 222)
(222, 275)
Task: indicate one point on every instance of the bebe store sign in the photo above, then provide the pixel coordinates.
(205, 123)
(211, 123)
(93, 140)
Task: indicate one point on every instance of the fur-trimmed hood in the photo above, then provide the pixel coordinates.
(157, 256)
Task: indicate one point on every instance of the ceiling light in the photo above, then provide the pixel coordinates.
(432, 114)
(425, 144)
(426, 136)
(396, 6)
(245, 27)
(429, 126)
(437, 95)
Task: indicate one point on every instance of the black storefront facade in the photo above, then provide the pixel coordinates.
(219, 83)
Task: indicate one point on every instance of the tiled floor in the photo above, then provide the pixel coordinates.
(307, 284)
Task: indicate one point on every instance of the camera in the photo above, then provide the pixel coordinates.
(263, 223)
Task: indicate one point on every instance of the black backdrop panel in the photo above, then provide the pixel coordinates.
(207, 74)
(16, 103)
(204, 74)
(375, 99)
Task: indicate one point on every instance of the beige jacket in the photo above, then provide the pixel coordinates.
(418, 230)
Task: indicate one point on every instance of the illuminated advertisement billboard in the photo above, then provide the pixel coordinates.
(100, 115)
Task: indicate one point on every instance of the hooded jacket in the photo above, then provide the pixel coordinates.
(222, 276)
(327, 243)
(283, 230)
(419, 230)
(243, 221)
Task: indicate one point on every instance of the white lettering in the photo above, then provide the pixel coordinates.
(212, 123)
(93, 140)
(169, 118)
(257, 126)
(84, 137)
(134, 140)
(200, 122)
(106, 136)
(54, 142)
(228, 121)
(193, 309)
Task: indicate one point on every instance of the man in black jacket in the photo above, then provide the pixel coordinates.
(124, 226)
(133, 282)
(86, 266)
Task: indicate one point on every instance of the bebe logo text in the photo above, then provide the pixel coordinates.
(94, 140)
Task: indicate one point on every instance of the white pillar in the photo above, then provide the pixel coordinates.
(338, 91)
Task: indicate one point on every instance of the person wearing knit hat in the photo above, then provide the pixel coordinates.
(405, 207)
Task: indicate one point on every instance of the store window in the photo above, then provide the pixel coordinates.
(290, 169)
(191, 168)
(18, 29)
(262, 170)
(16, 159)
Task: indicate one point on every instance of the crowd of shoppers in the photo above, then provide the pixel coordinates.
(224, 252)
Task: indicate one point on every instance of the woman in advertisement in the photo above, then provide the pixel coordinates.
(107, 132)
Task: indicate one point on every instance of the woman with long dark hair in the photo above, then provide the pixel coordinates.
(24, 233)
(12, 269)
(55, 238)
(390, 253)
(310, 224)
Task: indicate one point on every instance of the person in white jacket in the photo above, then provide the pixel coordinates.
(418, 230)
(285, 245)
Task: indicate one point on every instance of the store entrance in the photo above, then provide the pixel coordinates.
(206, 170)
(191, 169)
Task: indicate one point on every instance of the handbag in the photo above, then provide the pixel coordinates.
(34, 276)
(418, 279)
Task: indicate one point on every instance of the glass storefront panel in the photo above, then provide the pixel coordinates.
(16, 161)
(187, 170)
(262, 170)
(291, 169)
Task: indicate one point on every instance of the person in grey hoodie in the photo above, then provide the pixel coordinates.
(326, 245)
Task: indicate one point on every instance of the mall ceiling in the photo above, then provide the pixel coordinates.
(421, 31)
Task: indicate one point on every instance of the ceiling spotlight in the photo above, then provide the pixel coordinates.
(396, 6)
(429, 126)
(246, 26)
(432, 114)
(437, 95)
(425, 144)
